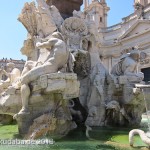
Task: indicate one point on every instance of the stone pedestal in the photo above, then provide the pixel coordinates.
(48, 105)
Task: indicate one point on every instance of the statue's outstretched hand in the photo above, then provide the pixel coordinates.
(39, 45)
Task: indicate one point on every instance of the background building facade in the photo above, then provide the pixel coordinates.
(134, 30)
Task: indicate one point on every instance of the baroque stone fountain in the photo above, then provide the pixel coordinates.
(64, 83)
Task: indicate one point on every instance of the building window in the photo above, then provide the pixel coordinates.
(101, 19)
(146, 72)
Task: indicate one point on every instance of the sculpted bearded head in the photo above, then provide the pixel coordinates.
(135, 54)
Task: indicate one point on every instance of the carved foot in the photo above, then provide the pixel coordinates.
(24, 111)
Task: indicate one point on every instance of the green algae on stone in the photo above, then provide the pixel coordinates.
(9, 131)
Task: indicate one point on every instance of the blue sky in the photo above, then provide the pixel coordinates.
(13, 33)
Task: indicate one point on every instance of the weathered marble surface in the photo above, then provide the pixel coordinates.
(54, 98)
(45, 83)
(129, 99)
(64, 78)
